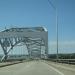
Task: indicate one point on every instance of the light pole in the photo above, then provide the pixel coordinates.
(56, 27)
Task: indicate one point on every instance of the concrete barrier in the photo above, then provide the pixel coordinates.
(9, 63)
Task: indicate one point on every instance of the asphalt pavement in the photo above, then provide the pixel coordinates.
(35, 68)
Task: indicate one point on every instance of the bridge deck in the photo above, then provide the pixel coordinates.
(38, 68)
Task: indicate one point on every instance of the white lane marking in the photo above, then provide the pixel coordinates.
(67, 68)
(56, 70)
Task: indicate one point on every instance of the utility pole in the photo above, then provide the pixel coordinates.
(57, 57)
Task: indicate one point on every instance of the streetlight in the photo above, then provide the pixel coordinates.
(56, 26)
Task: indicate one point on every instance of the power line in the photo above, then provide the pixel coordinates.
(51, 4)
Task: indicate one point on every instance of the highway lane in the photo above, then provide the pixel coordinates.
(66, 69)
(30, 68)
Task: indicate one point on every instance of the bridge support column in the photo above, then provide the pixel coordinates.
(4, 44)
(45, 38)
(5, 53)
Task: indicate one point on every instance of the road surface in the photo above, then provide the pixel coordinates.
(32, 68)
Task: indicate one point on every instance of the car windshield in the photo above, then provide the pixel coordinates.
(37, 37)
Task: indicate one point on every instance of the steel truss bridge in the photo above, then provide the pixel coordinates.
(35, 39)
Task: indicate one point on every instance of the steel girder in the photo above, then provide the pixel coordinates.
(32, 39)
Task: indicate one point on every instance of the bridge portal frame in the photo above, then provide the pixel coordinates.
(6, 40)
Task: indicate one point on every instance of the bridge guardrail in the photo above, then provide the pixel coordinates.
(67, 61)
